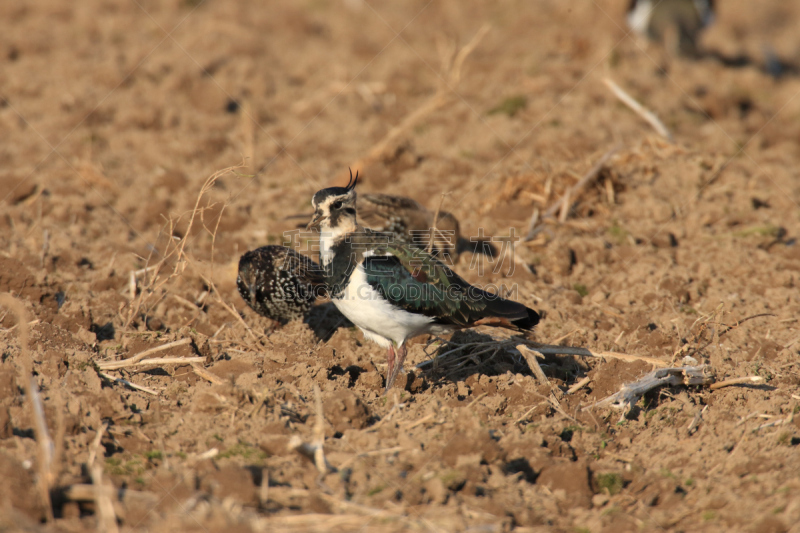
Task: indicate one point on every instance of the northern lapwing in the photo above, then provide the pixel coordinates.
(393, 291)
(279, 283)
(675, 23)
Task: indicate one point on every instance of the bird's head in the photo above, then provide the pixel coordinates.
(335, 208)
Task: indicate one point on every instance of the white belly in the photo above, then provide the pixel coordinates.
(377, 318)
(639, 17)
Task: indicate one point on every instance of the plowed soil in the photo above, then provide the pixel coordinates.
(114, 114)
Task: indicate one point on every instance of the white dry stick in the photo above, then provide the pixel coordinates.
(579, 385)
(639, 109)
(209, 454)
(421, 421)
(562, 216)
(128, 384)
(530, 357)
(309, 451)
(158, 361)
(263, 489)
(106, 518)
(206, 375)
(96, 445)
(749, 380)
(108, 365)
(46, 447)
(529, 411)
(319, 433)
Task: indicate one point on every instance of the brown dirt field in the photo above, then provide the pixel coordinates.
(114, 114)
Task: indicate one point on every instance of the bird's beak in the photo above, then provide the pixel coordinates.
(316, 221)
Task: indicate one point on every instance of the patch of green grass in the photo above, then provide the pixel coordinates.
(785, 438)
(779, 509)
(376, 490)
(118, 467)
(581, 289)
(767, 230)
(510, 106)
(617, 233)
(709, 515)
(153, 455)
(611, 482)
(453, 479)
(217, 437)
(666, 473)
(689, 482)
(688, 310)
(246, 451)
(180, 454)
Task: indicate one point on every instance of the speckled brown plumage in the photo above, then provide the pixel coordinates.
(407, 220)
(279, 283)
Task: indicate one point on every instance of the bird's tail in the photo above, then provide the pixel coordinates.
(507, 313)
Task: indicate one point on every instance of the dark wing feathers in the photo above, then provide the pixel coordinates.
(412, 279)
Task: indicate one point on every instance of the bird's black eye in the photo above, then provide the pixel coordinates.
(337, 205)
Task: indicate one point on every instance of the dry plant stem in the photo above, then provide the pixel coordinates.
(96, 445)
(547, 349)
(177, 252)
(476, 400)
(159, 361)
(579, 385)
(128, 384)
(563, 337)
(106, 518)
(46, 447)
(45, 444)
(420, 421)
(749, 380)
(529, 411)
(530, 356)
(207, 186)
(319, 433)
(639, 109)
(206, 375)
(439, 99)
(571, 193)
(228, 308)
(107, 365)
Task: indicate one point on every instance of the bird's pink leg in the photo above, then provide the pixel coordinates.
(395, 364)
(390, 370)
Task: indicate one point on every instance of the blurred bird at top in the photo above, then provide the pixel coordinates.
(676, 24)
(409, 222)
